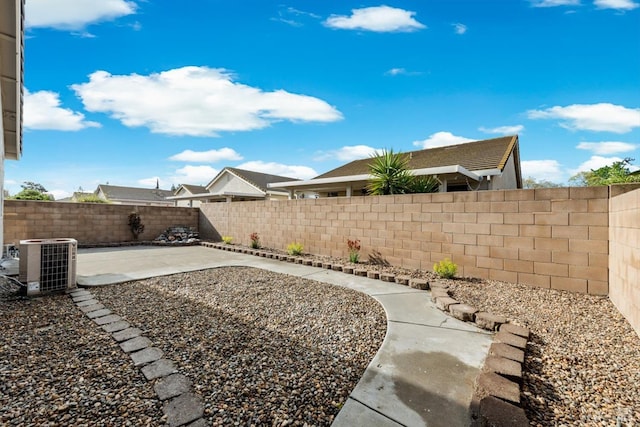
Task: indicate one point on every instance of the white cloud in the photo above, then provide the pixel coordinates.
(194, 175)
(459, 28)
(348, 153)
(441, 139)
(601, 117)
(595, 162)
(60, 194)
(607, 147)
(554, 3)
(380, 19)
(616, 4)
(503, 130)
(210, 156)
(42, 111)
(401, 72)
(196, 101)
(74, 14)
(299, 172)
(542, 170)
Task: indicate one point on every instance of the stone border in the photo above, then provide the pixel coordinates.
(496, 401)
(181, 406)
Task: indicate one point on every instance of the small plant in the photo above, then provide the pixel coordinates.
(445, 268)
(294, 248)
(135, 224)
(227, 240)
(354, 250)
(255, 240)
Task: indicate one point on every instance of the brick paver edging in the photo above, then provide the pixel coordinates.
(496, 401)
(181, 406)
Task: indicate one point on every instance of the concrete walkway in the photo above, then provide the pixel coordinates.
(424, 372)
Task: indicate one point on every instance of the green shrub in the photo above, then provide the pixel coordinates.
(91, 198)
(294, 248)
(445, 268)
(227, 240)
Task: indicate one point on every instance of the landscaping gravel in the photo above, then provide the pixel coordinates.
(582, 365)
(261, 348)
(57, 368)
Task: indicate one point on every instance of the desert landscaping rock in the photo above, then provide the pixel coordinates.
(260, 348)
(171, 386)
(135, 344)
(158, 369)
(147, 355)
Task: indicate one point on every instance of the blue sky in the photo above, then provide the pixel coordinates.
(130, 92)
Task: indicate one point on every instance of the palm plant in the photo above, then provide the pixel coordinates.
(424, 184)
(390, 173)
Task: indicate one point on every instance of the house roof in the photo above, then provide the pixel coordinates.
(473, 156)
(257, 179)
(193, 189)
(11, 75)
(114, 192)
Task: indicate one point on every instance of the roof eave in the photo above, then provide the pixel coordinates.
(11, 78)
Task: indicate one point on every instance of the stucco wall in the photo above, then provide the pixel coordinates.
(553, 238)
(88, 222)
(624, 257)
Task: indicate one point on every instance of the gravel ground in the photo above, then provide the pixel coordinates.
(57, 368)
(261, 348)
(582, 364)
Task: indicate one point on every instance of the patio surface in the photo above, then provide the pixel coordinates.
(422, 375)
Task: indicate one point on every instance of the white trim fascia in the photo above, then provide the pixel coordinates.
(366, 177)
(488, 172)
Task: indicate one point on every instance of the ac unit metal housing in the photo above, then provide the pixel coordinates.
(48, 265)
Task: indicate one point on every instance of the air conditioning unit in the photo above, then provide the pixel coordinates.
(48, 265)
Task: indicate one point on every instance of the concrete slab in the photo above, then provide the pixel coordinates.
(135, 344)
(147, 355)
(127, 334)
(93, 307)
(158, 369)
(183, 409)
(98, 313)
(423, 374)
(171, 386)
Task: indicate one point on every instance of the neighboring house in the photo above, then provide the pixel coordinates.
(134, 196)
(189, 190)
(492, 164)
(233, 184)
(11, 88)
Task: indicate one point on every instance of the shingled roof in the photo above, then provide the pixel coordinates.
(258, 179)
(473, 156)
(114, 192)
(194, 189)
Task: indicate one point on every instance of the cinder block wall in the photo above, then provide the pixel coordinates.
(624, 257)
(554, 238)
(88, 222)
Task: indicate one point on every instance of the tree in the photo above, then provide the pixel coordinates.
(616, 173)
(28, 185)
(33, 191)
(531, 182)
(391, 174)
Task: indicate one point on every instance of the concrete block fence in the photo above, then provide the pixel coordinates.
(554, 238)
(88, 223)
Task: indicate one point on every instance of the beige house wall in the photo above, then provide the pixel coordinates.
(554, 238)
(88, 222)
(624, 256)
